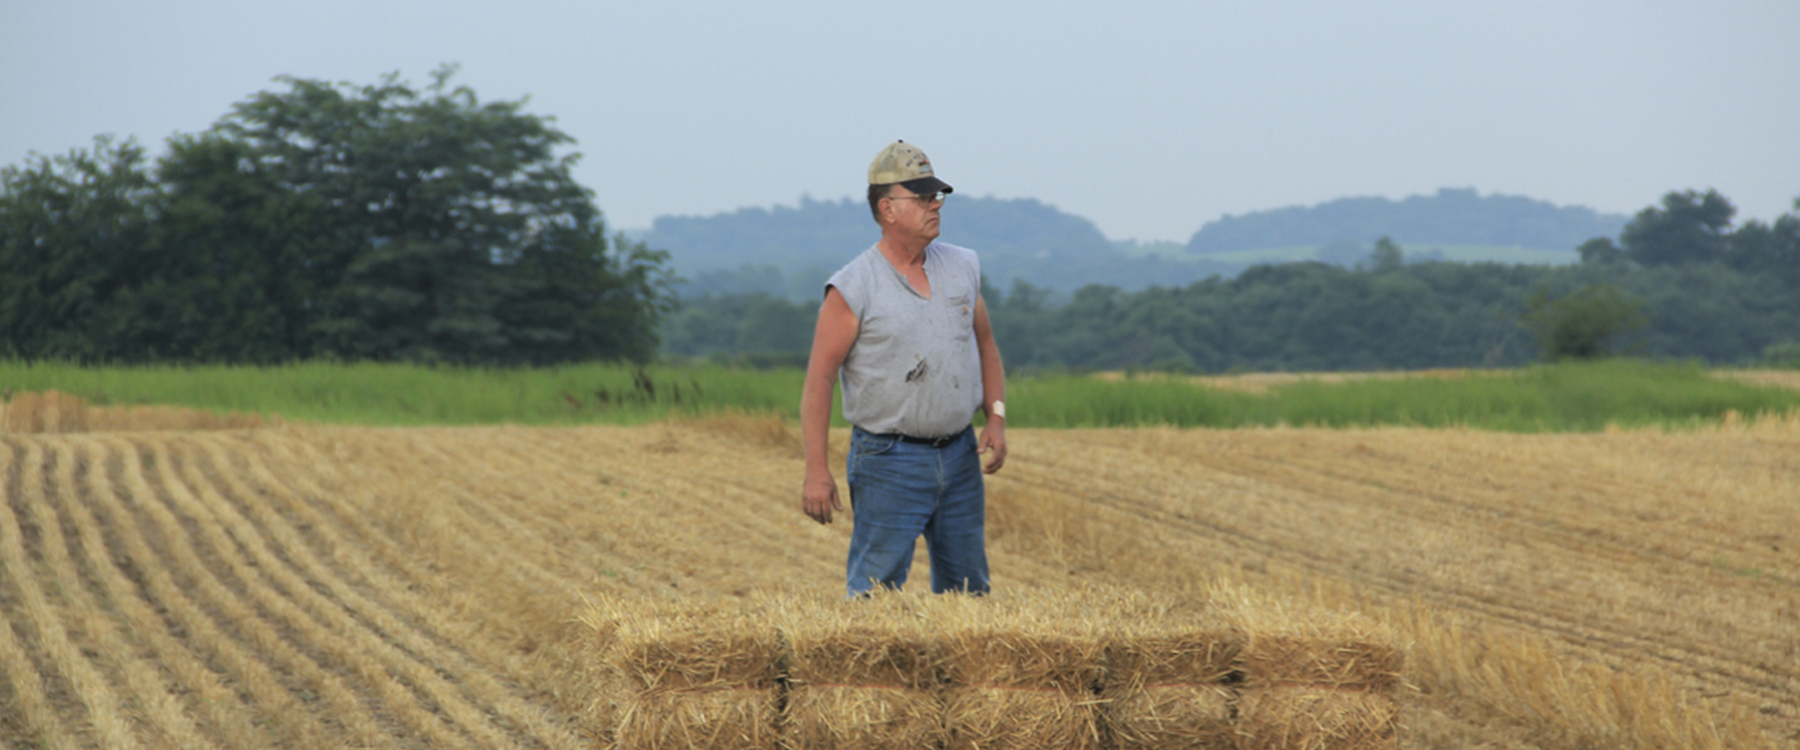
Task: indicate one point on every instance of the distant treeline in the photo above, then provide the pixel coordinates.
(392, 223)
(789, 252)
(1706, 289)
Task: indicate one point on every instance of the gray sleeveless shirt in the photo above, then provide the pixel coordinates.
(914, 368)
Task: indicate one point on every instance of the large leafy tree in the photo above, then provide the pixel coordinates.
(417, 224)
(379, 222)
(1689, 227)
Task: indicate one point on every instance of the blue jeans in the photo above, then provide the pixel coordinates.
(899, 490)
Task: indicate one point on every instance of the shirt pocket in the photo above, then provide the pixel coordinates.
(961, 310)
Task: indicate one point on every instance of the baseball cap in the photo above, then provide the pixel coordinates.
(904, 163)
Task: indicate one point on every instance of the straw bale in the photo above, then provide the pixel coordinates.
(1026, 640)
(1022, 669)
(1288, 643)
(993, 718)
(54, 412)
(709, 719)
(1310, 718)
(1348, 663)
(1170, 716)
(693, 646)
(866, 657)
(47, 412)
(1021, 659)
(865, 718)
(883, 641)
(599, 688)
(692, 661)
(1157, 639)
(680, 674)
(1135, 657)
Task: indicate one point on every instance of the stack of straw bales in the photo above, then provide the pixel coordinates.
(1081, 669)
(47, 412)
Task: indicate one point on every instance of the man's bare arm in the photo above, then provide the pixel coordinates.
(993, 388)
(832, 337)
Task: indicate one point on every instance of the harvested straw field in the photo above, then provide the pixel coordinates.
(291, 585)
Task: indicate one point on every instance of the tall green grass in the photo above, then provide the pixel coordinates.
(391, 394)
(1547, 398)
(1544, 398)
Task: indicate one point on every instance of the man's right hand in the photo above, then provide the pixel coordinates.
(831, 343)
(819, 498)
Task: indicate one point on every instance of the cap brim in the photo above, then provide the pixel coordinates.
(927, 185)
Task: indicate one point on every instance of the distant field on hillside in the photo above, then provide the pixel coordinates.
(1451, 253)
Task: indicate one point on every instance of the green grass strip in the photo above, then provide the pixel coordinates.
(1547, 398)
(399, 395)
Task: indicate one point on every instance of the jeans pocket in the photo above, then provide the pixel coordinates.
(872, 445)
(863, 445)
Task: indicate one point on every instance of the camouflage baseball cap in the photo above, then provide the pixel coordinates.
(904, 163)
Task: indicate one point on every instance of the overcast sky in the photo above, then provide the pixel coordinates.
(1148, 118)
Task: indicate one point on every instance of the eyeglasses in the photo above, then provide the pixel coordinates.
(927, 199)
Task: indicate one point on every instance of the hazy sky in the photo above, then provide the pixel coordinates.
(1148, 118)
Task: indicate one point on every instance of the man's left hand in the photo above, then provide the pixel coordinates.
(993, 442)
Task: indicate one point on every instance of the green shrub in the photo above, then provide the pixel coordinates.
(1785, 355)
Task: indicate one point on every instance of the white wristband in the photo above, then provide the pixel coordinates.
(997, 410)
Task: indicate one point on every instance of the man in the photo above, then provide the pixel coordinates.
(905, 328)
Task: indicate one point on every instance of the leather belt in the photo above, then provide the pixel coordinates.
(937, 442)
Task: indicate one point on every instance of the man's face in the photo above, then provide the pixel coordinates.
(912, 215)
